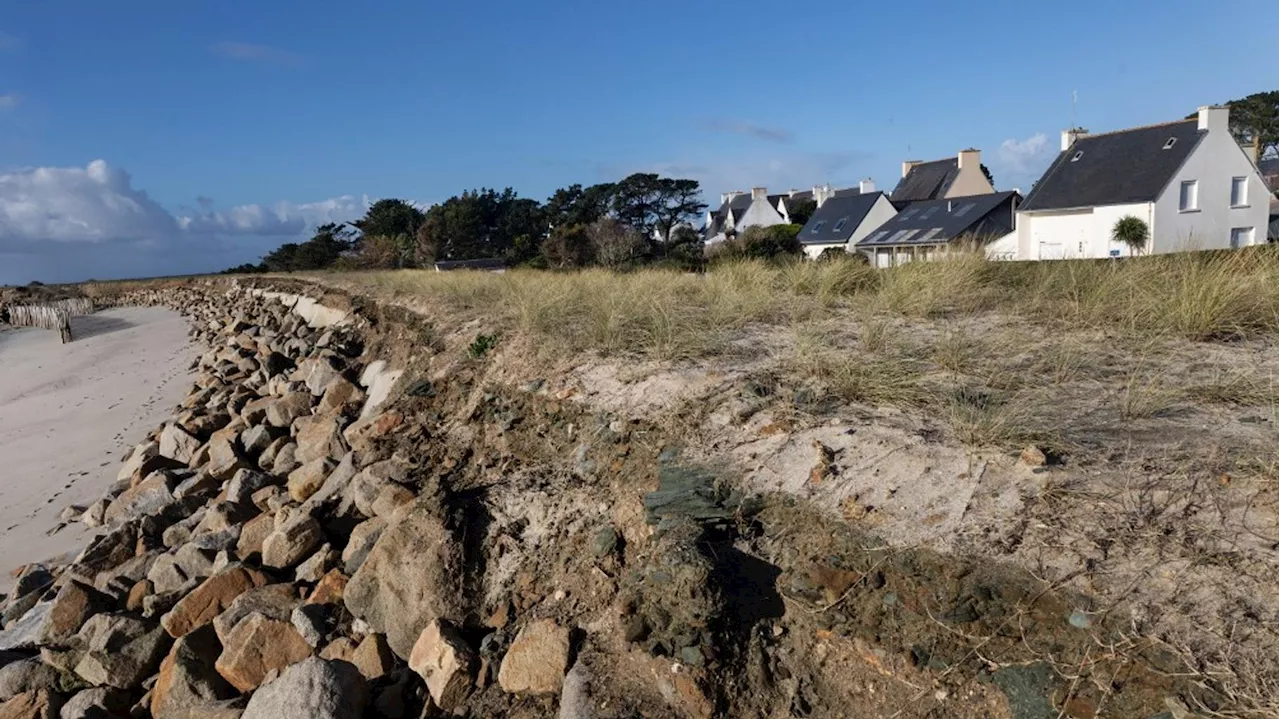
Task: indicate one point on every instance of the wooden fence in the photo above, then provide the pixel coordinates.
(50, 315)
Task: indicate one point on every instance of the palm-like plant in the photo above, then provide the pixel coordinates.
(1132, 232)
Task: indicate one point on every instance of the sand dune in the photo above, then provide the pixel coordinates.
(68, 412)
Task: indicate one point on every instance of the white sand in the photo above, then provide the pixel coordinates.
(68, 413)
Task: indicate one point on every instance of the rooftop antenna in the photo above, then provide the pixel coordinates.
(1073, 110)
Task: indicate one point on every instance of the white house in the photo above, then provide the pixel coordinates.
(1188, 180)
(738, 211)
(845, 219)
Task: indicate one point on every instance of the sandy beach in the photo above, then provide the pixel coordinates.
(68, 413)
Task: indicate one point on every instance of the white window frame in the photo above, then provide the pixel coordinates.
(1189, 201)
(1243, 199)
(1244, 235)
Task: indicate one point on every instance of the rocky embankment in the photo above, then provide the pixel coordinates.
(346, 518)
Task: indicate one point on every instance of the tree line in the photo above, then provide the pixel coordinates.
(641, 219)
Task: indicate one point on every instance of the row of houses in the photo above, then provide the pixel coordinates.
(1190, 181)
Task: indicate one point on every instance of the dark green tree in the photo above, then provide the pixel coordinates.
(568, 247)
(390, 217)
(1253, 121)
(987, 174)
(801, 211)
(576, 205)
(482, 223)
(655, 205)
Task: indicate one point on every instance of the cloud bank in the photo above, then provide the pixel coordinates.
(1021, 162)
(72, 223)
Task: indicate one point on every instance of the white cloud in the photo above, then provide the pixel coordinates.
(250, 52)
(72, 223)
(1022, 157)
(9, 101)
(94, 204)
(281, 219)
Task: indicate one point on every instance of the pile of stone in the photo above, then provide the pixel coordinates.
(261, 555)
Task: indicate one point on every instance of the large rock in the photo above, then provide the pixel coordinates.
(177, 444)
(32, 705)
(187, 564)
(107, 551)
(245, 482)
(140, 454)
(363, 537)
(188, 676)
(225, 455)
(317, 373)
(365, 432)
(291, 542)
(411, 577)
(25, 633)
(273, 601)
(311, 689)
(373, 657)
(120, 650)
(27, 675)
(281, 412)
(257, 646)
(339, 396)
(329, 589)
(319, 436)
(150, 497)
(286, 460)
(97, 703)
(74, 603)
(255, 439)
(536, 661)
(307, 479)
(334, 484)
(253, 534)
(445, 662)
(211, 598)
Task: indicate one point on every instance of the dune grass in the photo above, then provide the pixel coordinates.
(665, 314)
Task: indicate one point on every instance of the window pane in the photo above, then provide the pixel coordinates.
(1238, 189)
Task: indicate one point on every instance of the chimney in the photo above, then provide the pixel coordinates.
(866, 186)
(822, 193)
(969, 158)
(907, 165)
(727, 196)
(1070, 136)
(759, 193)
(1213, 118)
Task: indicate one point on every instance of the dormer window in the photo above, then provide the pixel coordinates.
(1170, 143)
(1079, 154)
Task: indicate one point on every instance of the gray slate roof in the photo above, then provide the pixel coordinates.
(821, 228)
(739, 206)
(1115, 167)
(932, 222)
(926, 181)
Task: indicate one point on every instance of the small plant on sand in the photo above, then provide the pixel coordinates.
(1131, 232)
(481, 345)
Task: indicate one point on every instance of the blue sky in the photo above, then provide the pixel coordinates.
(223, 129)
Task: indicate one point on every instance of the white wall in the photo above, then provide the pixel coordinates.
(759, 214)
(880, 213)
(811, 252)
(1216, 159)
(1075, 234)
(1004, 248)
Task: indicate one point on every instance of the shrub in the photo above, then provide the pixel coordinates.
(1131, 232)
